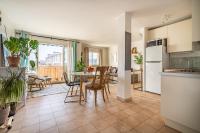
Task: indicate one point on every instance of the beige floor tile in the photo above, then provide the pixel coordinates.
(29, 122)
(145, 128)
(17, 131)
(50, 130)
(46, 117)
(121, 115)
(141, 117)
(122, 126)
(156, 124)
(110, 130)
(100, 124)
(52, 115)
(132, 131)
(166, 129)
(30, 129)
(44, 125)
(88, 128)
(67, 127)
(132, 121)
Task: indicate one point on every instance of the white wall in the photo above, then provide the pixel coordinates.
(138, 42)
(7, 25)
(113, 56)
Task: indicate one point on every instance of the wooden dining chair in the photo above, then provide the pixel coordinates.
(107, 81)
(71, 85)
(100, 75)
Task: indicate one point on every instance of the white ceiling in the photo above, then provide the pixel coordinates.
(89, 20)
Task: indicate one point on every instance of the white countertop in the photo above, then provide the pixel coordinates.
(182, 74)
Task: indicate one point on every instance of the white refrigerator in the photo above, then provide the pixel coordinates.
(156, 60)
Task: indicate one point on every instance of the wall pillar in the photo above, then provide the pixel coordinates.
(124, 57)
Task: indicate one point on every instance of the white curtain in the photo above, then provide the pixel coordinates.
(68, 65)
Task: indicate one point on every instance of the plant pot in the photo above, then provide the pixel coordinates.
(4, 114)
(13, 107)
(13, 61)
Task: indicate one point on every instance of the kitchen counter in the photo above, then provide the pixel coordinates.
(182, 74)
(180, 101)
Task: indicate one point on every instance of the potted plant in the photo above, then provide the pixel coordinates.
(138, 60)
(32, 64)
(11, 91)
(19, 47)
(80, 66)
(27, 46)
(13, 45)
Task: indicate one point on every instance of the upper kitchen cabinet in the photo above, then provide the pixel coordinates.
(195, 20)
(158, 33)
(180, 36)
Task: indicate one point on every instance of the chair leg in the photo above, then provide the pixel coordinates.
(108, 87)
(85, 95)
(95, 97)
(103, 94)
(72, 90)
(106, 92)
(67, 94)
(68, 91)
(40, 86)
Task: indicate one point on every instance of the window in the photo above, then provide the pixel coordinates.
(50, 61)
(94, 58)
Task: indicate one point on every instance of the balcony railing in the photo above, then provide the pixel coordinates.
(55, 72)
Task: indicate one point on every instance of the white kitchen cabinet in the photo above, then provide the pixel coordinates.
(195, 20)
(180, 36)
(180, 101)
(158, 33)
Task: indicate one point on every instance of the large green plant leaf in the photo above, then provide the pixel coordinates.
(22, 46)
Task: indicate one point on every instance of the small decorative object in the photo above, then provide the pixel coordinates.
(138, 60)
(11, 91)
(32, 64)
(90, 69)
(80, 66)
(19, 47)
(134, 50)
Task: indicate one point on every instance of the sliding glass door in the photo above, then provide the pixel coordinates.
(50, 61)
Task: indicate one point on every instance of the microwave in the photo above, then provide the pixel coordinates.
(157, 42)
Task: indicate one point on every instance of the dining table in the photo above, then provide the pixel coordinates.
(83, 75)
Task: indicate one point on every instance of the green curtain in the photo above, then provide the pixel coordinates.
(74, 57)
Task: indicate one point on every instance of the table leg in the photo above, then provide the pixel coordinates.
(81, 89)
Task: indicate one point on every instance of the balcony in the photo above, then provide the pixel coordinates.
(55, 72)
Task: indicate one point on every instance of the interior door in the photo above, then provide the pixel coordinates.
(153, 77)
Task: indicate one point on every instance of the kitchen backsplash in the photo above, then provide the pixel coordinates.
(186, 59)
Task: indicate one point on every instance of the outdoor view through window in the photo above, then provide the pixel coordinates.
(50, 61)
(93, 58)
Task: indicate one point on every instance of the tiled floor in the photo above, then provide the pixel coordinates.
(49, 114)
